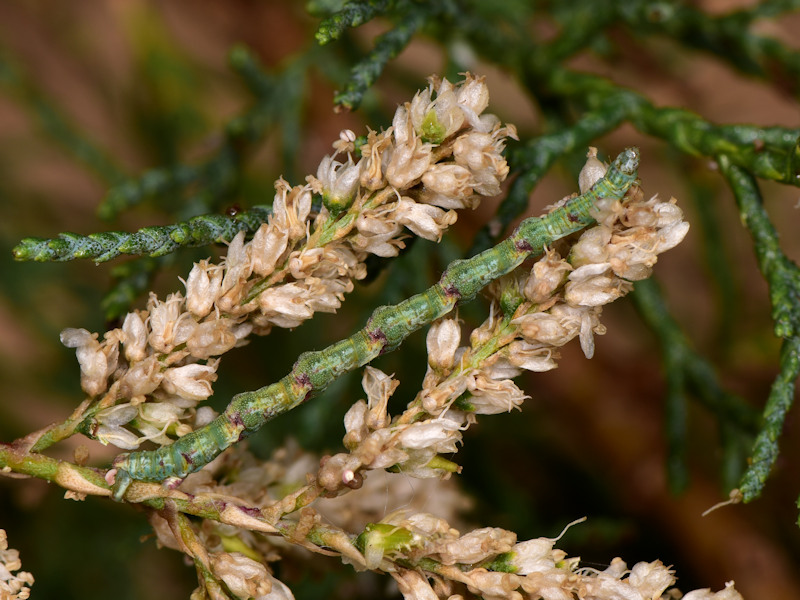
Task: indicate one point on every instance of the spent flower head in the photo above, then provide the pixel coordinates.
(441, 153)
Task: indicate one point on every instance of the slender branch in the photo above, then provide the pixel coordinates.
(352, 14)
(152, 241)
(783, 277)
(387, 46)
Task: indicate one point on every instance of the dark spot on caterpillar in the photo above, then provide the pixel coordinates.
(523, 246)
(573, 218)
(758, 144)
(236, 419)
(187, 456)
(377, 335)
(251, 511)
(303, 379)
(451, 291)
(233, 210)
(308, 396)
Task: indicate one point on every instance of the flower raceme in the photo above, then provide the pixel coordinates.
(442, 153)
(533, 314)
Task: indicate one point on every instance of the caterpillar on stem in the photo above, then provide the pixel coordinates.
(386, 329)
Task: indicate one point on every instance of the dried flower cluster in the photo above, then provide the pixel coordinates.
(441, 153)
(146, 378)
(14, 584)
(533, 314)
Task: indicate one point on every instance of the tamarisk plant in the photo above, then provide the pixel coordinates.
(442, 153)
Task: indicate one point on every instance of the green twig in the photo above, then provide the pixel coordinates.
(149, 241)
(351, 15)
(783, 277)
(729, 36)
(387, 46)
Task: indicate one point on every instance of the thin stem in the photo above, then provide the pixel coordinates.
(783, 277)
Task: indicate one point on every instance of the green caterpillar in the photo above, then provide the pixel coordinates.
(385, 330)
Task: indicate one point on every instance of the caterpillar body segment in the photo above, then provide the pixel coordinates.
(386, 329)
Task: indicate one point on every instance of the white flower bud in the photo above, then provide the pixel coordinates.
(490, 397)
(473, 94)
(592, 172)
(592, 247)
(211, 338)
(442, 342)
(135, 341)
(729, 593)
(97, 360)
(477, 545)
(671, 236)
(355, 424)
(413, 585)
(192, 382)
(379, 387)
(266, 248)
(339, 182)
(407, 164)
(117, 436)
(448, 180)
(424, 220)
(163, 320)
(440, 435)
(651, 579)
(202, 287)
(531, 357)
(116, 416)
(534, 556)
(594, 285)
(141, 378)
(546, 277)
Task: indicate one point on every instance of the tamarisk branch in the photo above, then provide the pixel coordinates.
(385, 330)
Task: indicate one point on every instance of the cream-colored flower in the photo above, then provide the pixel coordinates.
(547, 275)
(135, 340)
(651, 579)
(338, 182)
(202, 287)
(14, 584)
(592, 172)
(192, 382)
(729, 593)
(164, 320)
(413, 585)
(476, 546)
(97, 361)
(244, 577)
(442, 342)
